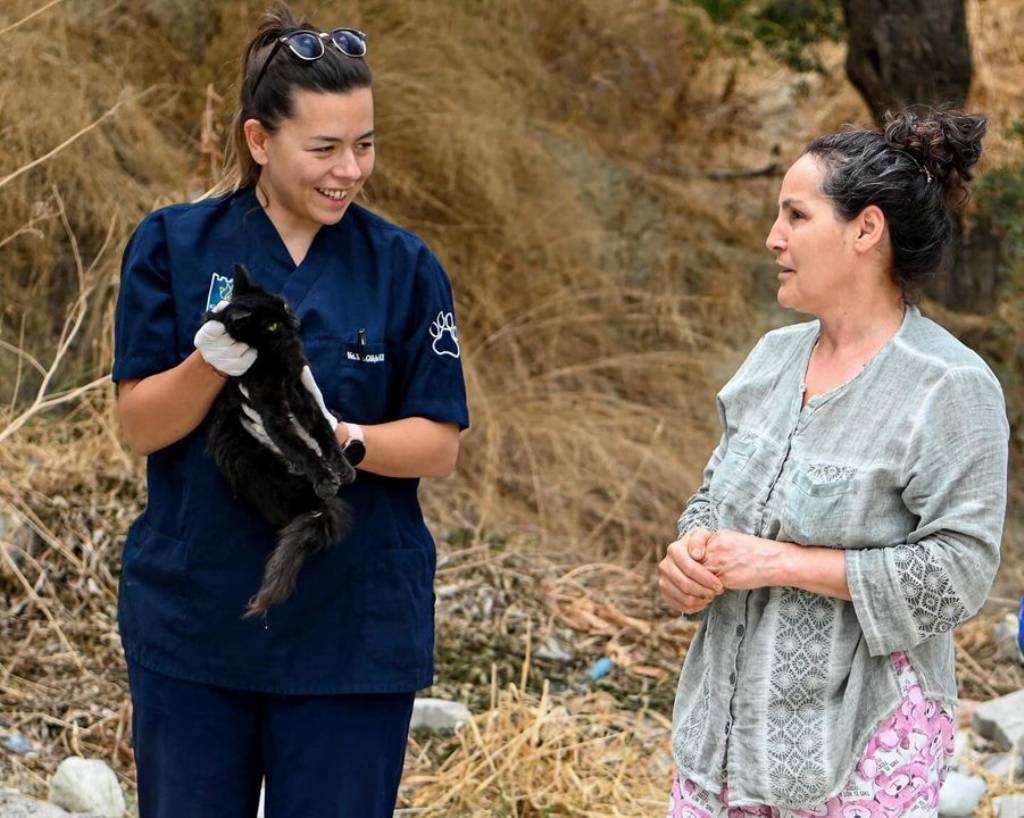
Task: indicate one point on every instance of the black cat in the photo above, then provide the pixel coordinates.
(294, 483)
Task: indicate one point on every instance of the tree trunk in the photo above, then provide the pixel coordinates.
(908, 52)
(917, 52)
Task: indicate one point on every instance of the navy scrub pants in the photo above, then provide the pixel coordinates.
(201, 751)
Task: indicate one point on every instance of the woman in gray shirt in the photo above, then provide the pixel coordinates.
(852, 513)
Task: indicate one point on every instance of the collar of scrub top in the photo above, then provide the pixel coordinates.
(268, 257)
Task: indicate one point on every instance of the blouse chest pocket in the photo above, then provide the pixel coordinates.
(354, 375)
(820, 506)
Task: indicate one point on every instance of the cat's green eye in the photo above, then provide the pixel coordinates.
(273, 327)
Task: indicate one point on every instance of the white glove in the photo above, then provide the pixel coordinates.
(220, 350)
(253, 423)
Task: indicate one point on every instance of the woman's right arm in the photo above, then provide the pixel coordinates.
(161, 409)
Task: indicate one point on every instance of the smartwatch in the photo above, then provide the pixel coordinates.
(355, 446)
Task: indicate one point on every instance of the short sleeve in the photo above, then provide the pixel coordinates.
(432, 381)
(145, 333)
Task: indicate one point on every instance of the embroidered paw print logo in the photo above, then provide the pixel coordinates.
(445, 335)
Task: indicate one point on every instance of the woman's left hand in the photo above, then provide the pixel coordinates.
(742, 561)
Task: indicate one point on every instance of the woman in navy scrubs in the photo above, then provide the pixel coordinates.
(317, 697)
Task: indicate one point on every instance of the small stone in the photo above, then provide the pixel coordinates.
(1009, 806)
(87, 785)
(16, 743)
(1002, 721)
(15, 805)
(1003, 763)
(961, 748)
(1005, 634)
(960, 795)
(439, 714)
(553, 650)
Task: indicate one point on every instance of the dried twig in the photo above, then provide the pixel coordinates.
(29, 16)
(72, 323)
(73, 138)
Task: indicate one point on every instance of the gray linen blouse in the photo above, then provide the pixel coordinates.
(904, 467)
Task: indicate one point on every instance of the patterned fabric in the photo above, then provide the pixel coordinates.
(686, 742)
(898, 775)
(903, 469)
(830, 472)
(796, 707)
(933, 601)
(702, 516)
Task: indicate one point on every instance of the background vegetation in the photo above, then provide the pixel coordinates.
(598, 182)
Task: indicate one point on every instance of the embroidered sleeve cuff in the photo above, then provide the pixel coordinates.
(878, 602)
(698, 514)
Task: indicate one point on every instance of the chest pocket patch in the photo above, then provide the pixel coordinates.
(819, 506)
(354, 375)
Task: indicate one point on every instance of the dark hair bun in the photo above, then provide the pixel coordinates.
(945, 143)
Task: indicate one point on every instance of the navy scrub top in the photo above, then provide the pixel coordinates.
(379, 331)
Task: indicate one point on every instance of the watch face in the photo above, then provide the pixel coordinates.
(354, 451)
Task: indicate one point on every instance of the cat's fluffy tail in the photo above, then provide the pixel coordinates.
(305, 535)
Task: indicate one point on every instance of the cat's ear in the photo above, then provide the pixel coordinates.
(242, 280)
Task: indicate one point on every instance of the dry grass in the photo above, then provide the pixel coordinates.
(568, 171)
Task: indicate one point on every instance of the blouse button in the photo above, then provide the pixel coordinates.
(740, 630)
(732, 678)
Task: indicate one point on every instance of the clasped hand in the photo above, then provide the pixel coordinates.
(701, 565)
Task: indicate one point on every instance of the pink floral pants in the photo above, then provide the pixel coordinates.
(900, 773)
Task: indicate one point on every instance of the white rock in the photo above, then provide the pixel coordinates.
(87, 785)
(15, 805)
(439, 714)
(1009, 806)
(554, 650)
(1004, 635)
(1003, 763)
(1002, 721)
(961, 748)
(960, 794)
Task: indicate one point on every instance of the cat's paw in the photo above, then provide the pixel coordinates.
(445, 335)
(337, 462)
(326, 484)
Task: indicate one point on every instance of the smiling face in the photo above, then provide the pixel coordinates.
(313, 166)
(813, 247)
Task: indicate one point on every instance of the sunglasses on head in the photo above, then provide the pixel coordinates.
(309, 46)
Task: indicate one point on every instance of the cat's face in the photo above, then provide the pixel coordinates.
(256, 317)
